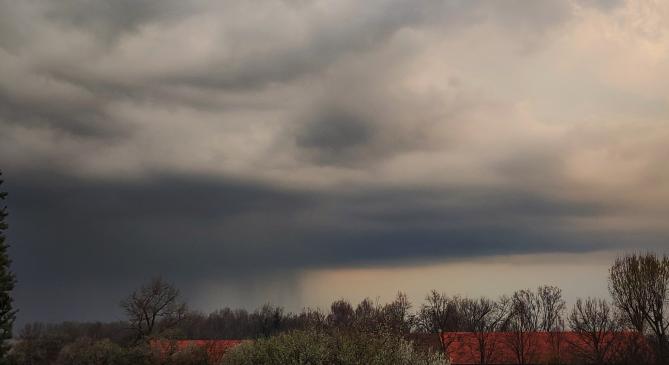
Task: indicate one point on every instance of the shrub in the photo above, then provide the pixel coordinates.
(35, 351)
(322, 348)
(191, 355)
(85, 351)
(378, 349)
(298, 347)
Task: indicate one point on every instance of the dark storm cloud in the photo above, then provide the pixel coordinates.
(70, 235)
(170, 221)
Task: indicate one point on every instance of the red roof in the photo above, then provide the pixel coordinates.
(535, 347)
(215, 348)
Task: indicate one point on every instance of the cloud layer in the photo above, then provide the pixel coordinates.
(202, 139)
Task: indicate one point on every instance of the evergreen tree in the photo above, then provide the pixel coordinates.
(7, 281)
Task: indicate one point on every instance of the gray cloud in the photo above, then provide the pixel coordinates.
(110, 20)
(285, 52)
(241, 140)
(607, 5)
(82, 120)
(335, 137)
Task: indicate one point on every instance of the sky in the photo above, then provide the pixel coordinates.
(301, 151)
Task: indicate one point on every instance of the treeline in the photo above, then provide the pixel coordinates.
(439, 313)
(344, 324)
(268, 320)
(630, 328)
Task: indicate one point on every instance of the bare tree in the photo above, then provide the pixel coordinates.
(397, 316)
(440, 313)
(267, 320)
(153, 308)
(639, 286)
(597, 328)
(368, 316)
(341, 314)
(483, 317)
(552, 307)
(628, 290)
(552, 318)
(310, 318)
(655, 275)
(523, 322)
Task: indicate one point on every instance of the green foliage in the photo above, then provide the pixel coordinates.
(7, 282)
(37, 351)
(104, 352)
(51, 350)
(192, 355)
(325, 348)
(41, 344)
(293, 348)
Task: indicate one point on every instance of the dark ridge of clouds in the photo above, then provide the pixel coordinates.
(465, 206)
(69, 234)
(93, 241)
(135, 222)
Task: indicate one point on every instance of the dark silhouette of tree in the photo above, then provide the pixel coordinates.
(397, 315)
(552, 307)
(483, 317)
(552, 318)
(628, 290)
(639, 285)
(268, 320)
(531, 312)
(368, 316)
(309, 318)
(7, 282)
(154, 308)
(524, 321)
(440, 313)
(598, 329)
(341, 314)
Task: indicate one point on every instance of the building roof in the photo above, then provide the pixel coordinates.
(535, 347)
(216, 349)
